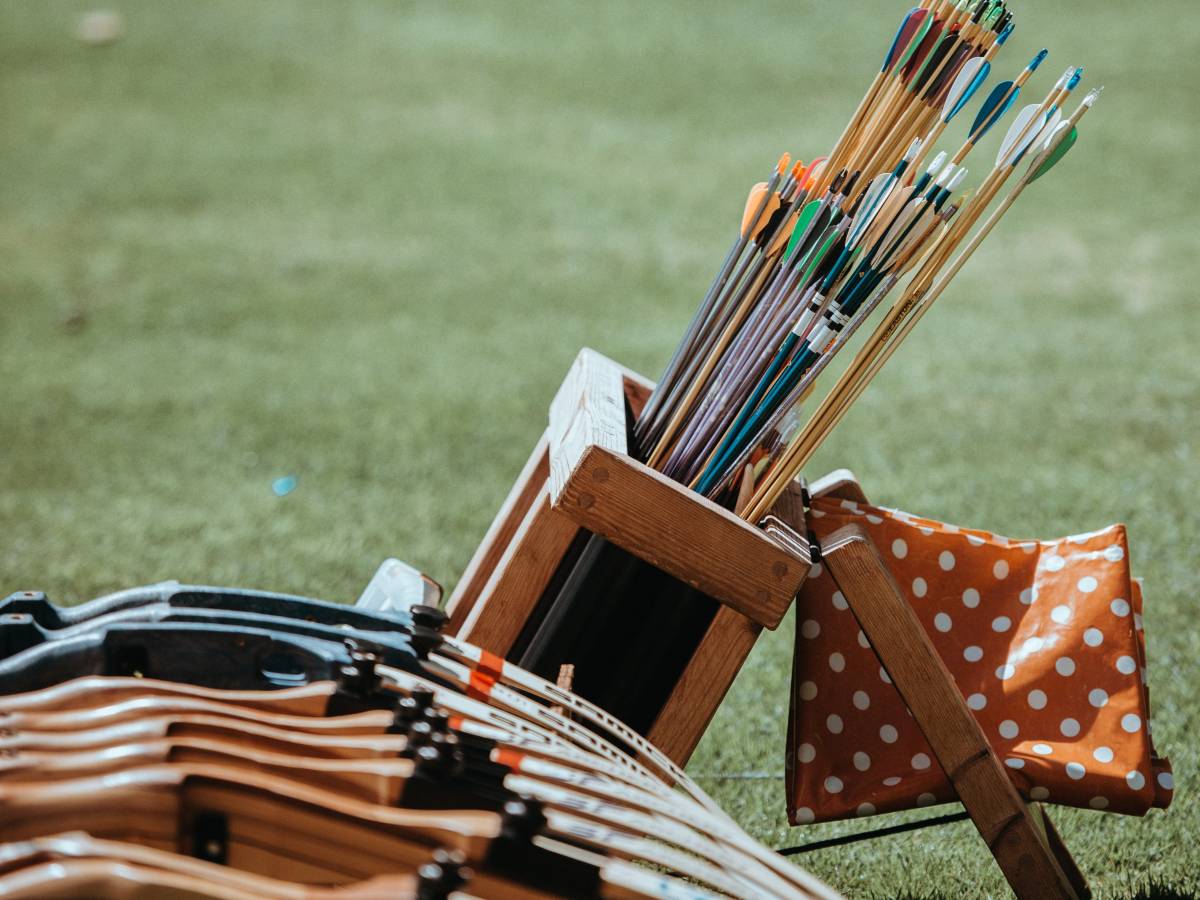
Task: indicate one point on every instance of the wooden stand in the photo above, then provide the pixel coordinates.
(580, 477)
(1033, 857)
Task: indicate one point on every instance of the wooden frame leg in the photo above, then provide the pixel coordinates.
(491, 549)
(521, 575)
(1030, 853)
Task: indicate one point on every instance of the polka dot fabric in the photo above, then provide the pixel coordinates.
(1043, 638)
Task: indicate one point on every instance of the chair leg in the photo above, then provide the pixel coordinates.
(1034, 861)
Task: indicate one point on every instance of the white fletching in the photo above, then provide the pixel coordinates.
(872, 202)
(956, 181)
(946, 175)
(1042, 141)
(1020, 135)
(938, 162)
(962, 81)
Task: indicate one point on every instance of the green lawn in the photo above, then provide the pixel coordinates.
(361, 242)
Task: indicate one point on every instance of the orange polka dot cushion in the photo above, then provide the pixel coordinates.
(1043, 638)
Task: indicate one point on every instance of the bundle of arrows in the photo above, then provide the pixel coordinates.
(822, 246)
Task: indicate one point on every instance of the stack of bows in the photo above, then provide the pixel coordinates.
(1043, 638)
(206, 743)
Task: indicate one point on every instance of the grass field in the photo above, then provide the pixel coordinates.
(360, 243)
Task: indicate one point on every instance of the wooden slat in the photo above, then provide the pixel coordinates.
(526, 567)
(682, 533)
(1008, 825)
(587, 411)
(521, 496)
(695, 698)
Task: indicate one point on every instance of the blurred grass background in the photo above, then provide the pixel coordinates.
(361, 243)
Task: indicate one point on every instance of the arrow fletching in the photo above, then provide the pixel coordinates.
(993, 109)
(974, 72)
(751, 226)
(904, 34)
(1021, 134)
(1064, 146)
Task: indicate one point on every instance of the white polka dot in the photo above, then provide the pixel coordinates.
(977, 701)
(1014, 763)
(1097, 697)
(899, 548)
(1039, 793)
(892, 780)
(1026, 596)
(804, 816)
(1087, 584)
(973, 654)
(1115, 553)
(1126, 665)
(837, 662)
(1135, 779)
(1093, 637)
(861, 700)
(970, 598)
(851, 505)
(1069, 727)
(815, 571)
(920, 761)
(833, 784)
(883, 675)
(874, 519)
(946, 560)
(834, 723)
(866, 809)
(1098, 803)
(974, 540)
(808, 690)
(942, 622)
(1043, 749)
(1001, 624)
(810, 628)
(806, 753)
(1061, 614)
(1008, 729)
(1166, 781)
(926, 799)
(1054, 562)
(1075, 771)
(863, 641)
(1000, 569)
(1119, 607)
(888, 734)
(1103, 754)
(1037, 699)
(816, 513)
(1032, 645)
(839, 600)
(1029, 546)
(1006, 671)
(1131, 722)
(862, 762)
(920, 588)
(1065, 666)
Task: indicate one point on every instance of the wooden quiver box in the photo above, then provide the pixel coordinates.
(579, 481)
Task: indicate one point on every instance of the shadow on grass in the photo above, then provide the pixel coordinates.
(1154, 891)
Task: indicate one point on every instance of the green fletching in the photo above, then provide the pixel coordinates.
(915, 42)
(816, 258)
(1059, 152)
(802, 223)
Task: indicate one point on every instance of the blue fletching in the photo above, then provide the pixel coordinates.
(1004, 35)
(887, 60)
(1037, 60)
(992, 110)
(980, 77)
(1075, 79)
